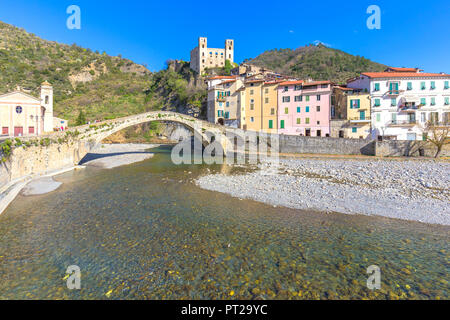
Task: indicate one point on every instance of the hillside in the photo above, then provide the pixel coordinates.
(100, 85)
(316, 62)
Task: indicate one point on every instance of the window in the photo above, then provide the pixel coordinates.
(409, 85)
(306, 109)
(318, 122)
(299, 109)
(393, 102)
(282, 124)
(219, 113)
(297, 87)
(446, 85)
(228, 104)
(286, 110)
(270, 124)
(446, 101)
(394, 118)
(46, 102)
(354, 130)
(252, 92)
(252, 119)
(423, 117)
(423, 101)
(298, 121)
(272, 111)
(5, 130)
(298, 98)
(307, 98)
(422, 85)
(433, 85)
(266, 100)
(377, 102)
(227, 114)
(287, 99)
(266, 91)
(354, 104)
(378, 117)
(318, 108)
(377, 87)
(433, 101)
(19, 109)
(318, 97)
(286, 89)
(307, 120)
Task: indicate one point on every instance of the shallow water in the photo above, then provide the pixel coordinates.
(145, 231)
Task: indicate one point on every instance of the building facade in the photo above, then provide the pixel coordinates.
(304, 108)
(222, 105)
(21, 114)
(203, 57)
(351, 114)
(404, 100)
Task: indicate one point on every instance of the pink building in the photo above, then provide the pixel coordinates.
(304, 108)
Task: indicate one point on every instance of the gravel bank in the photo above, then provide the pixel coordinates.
(410, 190)
(41, 186)
(109, 156)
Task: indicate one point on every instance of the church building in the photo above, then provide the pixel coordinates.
(22, 114)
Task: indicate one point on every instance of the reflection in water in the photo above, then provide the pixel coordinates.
(145, 231)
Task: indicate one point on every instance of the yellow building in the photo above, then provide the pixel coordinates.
(358, 114)
(250, 105)
(351, 110)
(269, 104)
(258, 105)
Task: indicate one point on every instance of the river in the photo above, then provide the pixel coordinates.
(146, 231)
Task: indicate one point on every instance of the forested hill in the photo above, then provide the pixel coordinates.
(317, 62)
(97, 84)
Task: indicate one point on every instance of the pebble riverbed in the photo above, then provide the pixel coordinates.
(410, 189)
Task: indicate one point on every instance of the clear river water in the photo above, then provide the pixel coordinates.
(146, 231)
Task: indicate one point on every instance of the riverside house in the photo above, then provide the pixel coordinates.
(403, 100)
(351, 109)
(222, 105)
(304, 108)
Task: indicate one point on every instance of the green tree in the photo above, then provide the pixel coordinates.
(228, 67)
(81, 119)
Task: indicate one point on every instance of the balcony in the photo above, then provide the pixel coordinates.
(220, 99)
(394, 93)
(359, 119)
(408, 108)
(402, 123)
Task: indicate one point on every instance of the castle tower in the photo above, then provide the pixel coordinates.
(229, 50)
(202, 52)
(46, 107)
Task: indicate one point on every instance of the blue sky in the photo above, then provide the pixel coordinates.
(413, 33)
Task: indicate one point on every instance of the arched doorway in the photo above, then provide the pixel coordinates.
(221, 121)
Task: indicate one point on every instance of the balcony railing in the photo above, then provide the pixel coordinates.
(360, 119)
(394, 92)
(409, 108)
(402, 122)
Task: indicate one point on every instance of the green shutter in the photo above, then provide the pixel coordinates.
(270, 124)
(282, 124)
(298, 120)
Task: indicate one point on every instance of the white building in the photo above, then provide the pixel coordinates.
(403, 100)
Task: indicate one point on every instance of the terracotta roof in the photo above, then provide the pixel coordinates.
(314, 83)
(345, 88)
(228, 81)
(288, 83)
(221, 77)
(273, 82)
(402, 74)
(254, 81)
